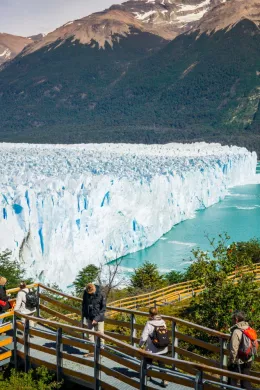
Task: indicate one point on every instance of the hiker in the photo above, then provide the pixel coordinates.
(155, 338)
(93, 311)
(26, 302)
(240, 351)
(4, 298)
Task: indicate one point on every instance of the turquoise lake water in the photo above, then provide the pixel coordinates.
(238, 215)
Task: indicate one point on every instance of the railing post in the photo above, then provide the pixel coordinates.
(26, 346)
(38, 301)
(82, 325)
(133, 330)
(199, 381)
(154, 303)
(59, 354)
(223, 357)
(97, 363)
(143, 370)
(179, 297)
(15, 341)
(174, 342)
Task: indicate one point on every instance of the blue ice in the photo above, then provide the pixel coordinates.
(17, 208)
(106, 199)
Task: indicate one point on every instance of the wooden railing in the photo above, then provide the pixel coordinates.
(6, 342)
(177, 292)
(103, 372)
(188, 340)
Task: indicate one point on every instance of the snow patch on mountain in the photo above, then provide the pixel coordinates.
(63, 207)
(143, 16)
(191, 17)
(6, 54)
(190, 7)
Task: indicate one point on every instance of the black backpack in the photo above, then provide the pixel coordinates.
(160, 337)
(31, 301)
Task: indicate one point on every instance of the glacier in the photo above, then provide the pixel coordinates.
(66, 206)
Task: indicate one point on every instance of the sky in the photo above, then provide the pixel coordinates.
(29, 17)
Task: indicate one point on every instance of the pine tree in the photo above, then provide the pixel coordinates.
(87, 275)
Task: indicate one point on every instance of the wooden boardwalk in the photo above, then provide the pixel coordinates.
(178, 291)
(78, 352)
(59, 344)
(116, 366)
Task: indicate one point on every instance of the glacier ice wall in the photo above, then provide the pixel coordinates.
(65, 206)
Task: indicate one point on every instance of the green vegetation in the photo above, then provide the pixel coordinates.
(147, 278)
(87, 275)
(40, 379)
(195, 88)
(12, 270)
(222, 296)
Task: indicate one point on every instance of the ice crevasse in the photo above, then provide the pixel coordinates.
(66, 206)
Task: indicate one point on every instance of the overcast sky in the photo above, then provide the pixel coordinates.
(28, 17)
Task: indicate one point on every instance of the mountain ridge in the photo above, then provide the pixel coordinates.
(131, 85)
(11, 46)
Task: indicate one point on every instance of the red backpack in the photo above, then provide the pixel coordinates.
(4, 305)
(248, 345)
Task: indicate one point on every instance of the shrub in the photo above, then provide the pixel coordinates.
(40, 379)
(147, 278)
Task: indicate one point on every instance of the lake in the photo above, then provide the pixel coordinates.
(238, 215)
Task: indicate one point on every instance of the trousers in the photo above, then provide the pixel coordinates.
(241, 369)
(99, 327)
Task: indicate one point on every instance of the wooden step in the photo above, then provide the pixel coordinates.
(6, 327)
(5, 355)
(6, 341)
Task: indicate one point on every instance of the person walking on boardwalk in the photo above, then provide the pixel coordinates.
(155, 338)
(242, 348)
(93, 311)
(4, 298)
(26, 302)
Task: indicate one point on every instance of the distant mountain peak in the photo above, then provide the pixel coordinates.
(164, 18)
(11, 45)
(100, 27)
(168, 18)
(229, 13)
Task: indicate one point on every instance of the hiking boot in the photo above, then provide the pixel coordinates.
(164, 383)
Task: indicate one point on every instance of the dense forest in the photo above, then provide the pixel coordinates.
(197, 87)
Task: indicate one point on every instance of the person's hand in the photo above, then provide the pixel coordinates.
(94, 322)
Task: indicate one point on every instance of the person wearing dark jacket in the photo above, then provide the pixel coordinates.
(4, 304)
(93, 311)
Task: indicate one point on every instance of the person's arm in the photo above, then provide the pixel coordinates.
(102, 309)
(19, 301)
(3, 296)
(145, 334)
(234, 345)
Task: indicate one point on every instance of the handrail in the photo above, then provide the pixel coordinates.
(173, 289)
(17, 289)
(133, 351)
(179, 321)
(157, 291)
(62, 294)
